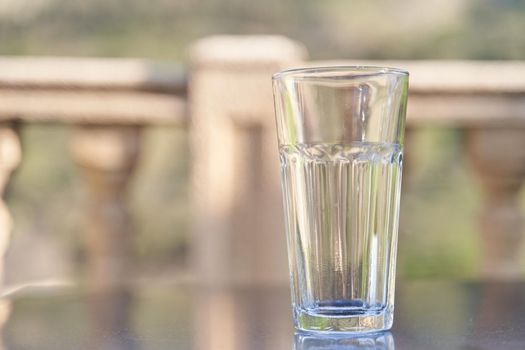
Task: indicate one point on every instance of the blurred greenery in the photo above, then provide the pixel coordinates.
(437, 239)
(474, 29)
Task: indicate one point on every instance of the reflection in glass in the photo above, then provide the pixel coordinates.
(228, 318)
(376, 341)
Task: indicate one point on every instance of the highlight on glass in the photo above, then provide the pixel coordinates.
(340, 132)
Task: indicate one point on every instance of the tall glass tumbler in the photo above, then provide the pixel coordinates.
(340, 132)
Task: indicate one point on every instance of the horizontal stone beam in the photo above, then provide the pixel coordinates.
(102, 107)
(447, 76)
(467, 110)
(71, 90)
(69, 73)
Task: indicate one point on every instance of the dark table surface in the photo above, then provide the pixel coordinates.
(428, 315)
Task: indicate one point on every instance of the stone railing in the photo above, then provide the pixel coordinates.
(237, 233)
(107, 103)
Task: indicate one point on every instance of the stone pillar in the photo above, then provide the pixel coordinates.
(498, 158)
(10, 154)
(238, 233)
(106, 156)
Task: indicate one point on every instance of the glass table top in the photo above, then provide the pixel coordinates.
(428, 315)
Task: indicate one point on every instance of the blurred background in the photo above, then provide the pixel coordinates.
(44, 194)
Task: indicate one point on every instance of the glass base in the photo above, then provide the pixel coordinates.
(364, 322)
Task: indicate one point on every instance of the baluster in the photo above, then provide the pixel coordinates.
(498, 157)
(107, 156)
(10, 154)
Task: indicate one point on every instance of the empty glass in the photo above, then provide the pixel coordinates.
(340, 132)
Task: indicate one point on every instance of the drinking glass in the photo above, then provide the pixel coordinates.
(340, 132)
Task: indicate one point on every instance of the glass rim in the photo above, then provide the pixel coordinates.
(329, 72)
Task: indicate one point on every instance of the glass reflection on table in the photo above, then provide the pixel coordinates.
(375, 341)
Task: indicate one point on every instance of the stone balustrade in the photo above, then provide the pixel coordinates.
(107, 102)
(237, 232)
